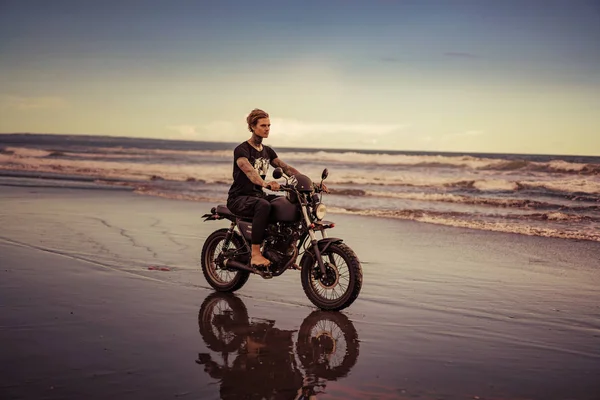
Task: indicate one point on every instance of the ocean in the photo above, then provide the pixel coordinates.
(543, 195)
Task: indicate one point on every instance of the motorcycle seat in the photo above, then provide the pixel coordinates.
(223, 210)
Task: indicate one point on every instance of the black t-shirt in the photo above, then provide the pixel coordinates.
(260, 160)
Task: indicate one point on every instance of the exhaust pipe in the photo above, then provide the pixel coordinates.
(238, 265)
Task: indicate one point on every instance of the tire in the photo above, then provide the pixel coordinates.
(345, 270)
(222, 280)
(221, 318)
(327, 344)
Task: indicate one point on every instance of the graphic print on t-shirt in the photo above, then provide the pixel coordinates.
(261, 165)
(260, 162)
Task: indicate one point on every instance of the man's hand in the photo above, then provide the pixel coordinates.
(273, 185)
(321, 186)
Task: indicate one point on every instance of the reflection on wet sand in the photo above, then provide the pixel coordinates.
(253, 359)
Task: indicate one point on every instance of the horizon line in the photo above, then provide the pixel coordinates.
(304, 148)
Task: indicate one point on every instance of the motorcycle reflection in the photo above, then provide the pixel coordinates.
(267, 365)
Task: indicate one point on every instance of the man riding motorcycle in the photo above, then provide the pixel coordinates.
(251, 160)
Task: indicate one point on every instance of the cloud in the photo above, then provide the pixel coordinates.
(32, 103)
(459, 54)
(295, 128)
(186, 131)
(292, 132)
(470, 133)
(216, 131)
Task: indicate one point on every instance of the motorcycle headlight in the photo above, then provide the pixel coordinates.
(320, 211)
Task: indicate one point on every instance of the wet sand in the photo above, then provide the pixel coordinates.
(445, 313)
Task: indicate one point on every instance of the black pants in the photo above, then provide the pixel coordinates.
(258, 208)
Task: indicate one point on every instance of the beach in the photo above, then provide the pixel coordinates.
(102, 297)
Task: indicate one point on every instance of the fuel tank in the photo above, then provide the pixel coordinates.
(284, 210)
(303, 183)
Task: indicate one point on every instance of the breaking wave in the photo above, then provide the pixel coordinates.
(491, 222)
(463, 199)
(555, 196)
(33, 160)
(344, 158)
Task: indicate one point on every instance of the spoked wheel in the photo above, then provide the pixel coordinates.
(327, 344)
(214, 252)
(220, 319)
(341, 283)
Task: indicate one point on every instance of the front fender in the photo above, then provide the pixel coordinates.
(309, 254)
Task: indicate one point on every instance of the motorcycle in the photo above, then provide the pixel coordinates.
(330, 271)
(266, 363)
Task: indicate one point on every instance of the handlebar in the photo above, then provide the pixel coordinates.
(289, 188)
(286, 188)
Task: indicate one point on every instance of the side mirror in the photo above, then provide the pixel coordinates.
(325, 174)
(277, 173)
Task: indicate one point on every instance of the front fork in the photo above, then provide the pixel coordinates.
(313, 239)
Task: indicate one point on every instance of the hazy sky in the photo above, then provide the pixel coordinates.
(518, 76)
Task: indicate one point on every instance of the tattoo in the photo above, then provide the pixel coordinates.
(249, 170)
(287, 169)
(255, 140)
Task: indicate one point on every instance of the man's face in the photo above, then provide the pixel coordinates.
(262, 128)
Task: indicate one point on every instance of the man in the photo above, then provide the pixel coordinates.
(251, 161)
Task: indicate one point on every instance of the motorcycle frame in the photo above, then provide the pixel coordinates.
(317, 247)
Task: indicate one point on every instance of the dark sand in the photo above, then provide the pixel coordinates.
(445, 313)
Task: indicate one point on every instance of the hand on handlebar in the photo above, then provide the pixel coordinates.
(320, 187)
(273, 185)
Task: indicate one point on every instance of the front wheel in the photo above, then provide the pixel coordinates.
(341, 283)
(217, 275)
(327, 344)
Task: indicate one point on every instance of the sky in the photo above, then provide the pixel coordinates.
(512, 76)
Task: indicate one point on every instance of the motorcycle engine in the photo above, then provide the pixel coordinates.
(279, 245)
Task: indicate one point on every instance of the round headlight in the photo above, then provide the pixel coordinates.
(320, 211)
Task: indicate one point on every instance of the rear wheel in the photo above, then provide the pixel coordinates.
(341, 283)
(221, 318)
(214, 251)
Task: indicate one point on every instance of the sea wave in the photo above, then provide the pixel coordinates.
(559, 223)
(330, 157)
(32, 160)
(24, 152)
(580, 190)
(413, 214)
(444, 161)
(557, 196)
(526, 204)
(111, 152)
(148, 153)
(574, 189)
(126, 171)
(416, 180)
(485, 184)
(515, 224)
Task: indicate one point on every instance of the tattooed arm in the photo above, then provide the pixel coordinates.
(287, 169)
(251, 173)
